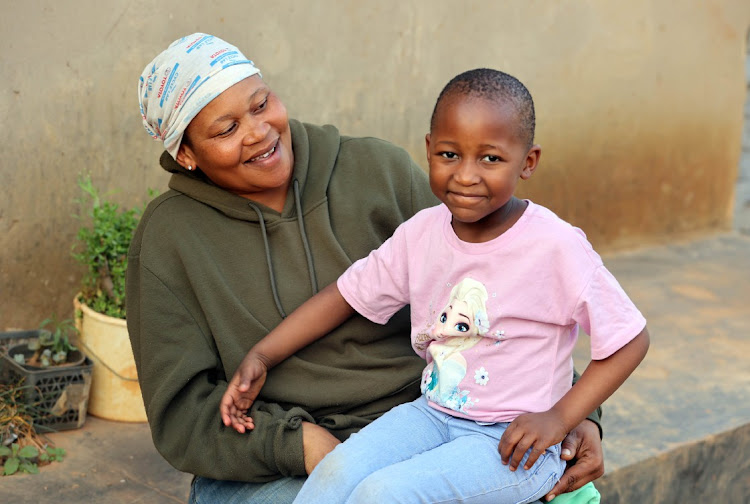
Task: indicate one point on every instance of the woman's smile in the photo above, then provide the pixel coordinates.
(267, 155)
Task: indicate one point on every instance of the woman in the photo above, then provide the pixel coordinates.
(263, 211)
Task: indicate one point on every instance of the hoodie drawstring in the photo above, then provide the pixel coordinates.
(305, 243)
(268, 260)
(303, 235)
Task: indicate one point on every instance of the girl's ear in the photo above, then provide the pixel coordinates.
(532, 161)
(427, 146)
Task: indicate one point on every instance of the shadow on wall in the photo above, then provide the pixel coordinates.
(742, 198)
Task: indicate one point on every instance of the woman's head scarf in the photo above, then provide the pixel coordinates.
(183, 79)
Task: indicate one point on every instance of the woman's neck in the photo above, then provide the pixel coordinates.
(274, 199)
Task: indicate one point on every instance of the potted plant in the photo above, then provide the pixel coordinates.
(51, 348)
(53, 375)
(102, 247)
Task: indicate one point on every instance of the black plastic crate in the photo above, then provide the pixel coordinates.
(58, 395)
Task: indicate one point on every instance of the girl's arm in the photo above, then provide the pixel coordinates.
(599, 381)
(314, 319)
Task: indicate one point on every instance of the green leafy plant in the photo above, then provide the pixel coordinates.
(19, 459)
(53, 346)
(28, 458)
(51, 454)
(102, 247)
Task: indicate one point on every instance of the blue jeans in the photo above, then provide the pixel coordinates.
(415, 453)
(210, 491)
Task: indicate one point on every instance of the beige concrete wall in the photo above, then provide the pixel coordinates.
(639, 104)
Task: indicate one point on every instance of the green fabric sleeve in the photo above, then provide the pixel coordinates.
(182, 382)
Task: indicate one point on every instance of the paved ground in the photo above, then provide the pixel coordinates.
(106, 462)
(689, 402)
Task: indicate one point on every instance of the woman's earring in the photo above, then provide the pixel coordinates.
(190, 167)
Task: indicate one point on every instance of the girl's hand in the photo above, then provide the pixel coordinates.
(241, 391)
(537, 431)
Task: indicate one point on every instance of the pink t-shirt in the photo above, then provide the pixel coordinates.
(495, 321)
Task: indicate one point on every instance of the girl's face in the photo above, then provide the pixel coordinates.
(476, 159)
(242, 142)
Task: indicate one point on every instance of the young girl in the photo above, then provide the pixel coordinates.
(498, 288)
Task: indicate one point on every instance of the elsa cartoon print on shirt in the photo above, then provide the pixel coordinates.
(461, 325)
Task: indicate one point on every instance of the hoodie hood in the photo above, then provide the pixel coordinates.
(303, 193)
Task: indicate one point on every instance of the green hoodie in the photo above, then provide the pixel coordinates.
(200, 294)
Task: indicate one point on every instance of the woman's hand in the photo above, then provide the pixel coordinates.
(584, 447)
(316, 444)
(241, 391)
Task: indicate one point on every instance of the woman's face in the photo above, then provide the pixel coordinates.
(241, 141)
